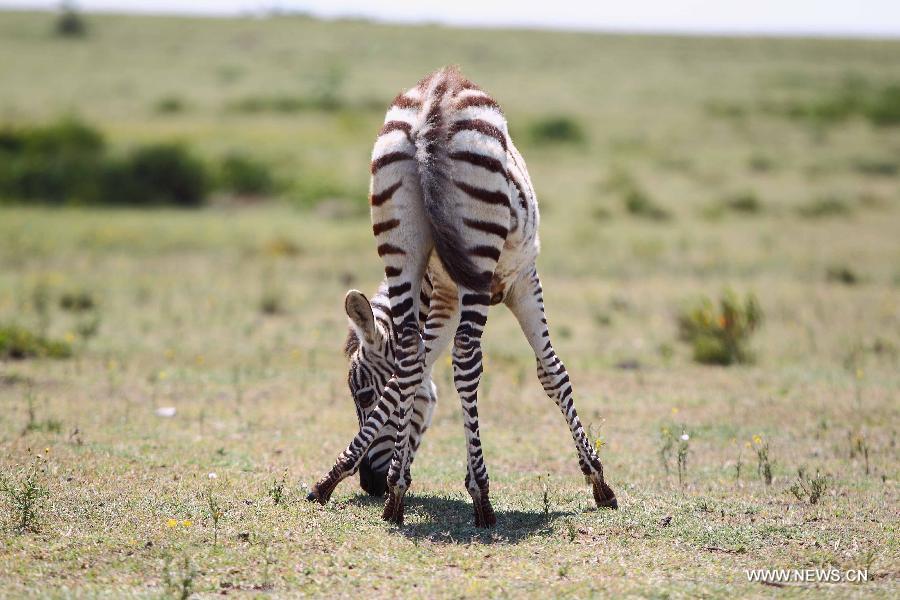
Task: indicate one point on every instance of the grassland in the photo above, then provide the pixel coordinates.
(232, 315)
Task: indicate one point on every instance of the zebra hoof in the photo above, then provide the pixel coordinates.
(604, 497)
(484, 512)
(393, 509)
(321, 492)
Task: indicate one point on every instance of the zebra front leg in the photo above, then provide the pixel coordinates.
(527, 304)
(439, 327)
(410, 366)
(348, 461)
(467, 369)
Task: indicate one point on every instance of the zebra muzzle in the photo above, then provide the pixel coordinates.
(372, 482)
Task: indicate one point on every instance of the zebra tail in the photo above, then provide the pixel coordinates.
(435, 176)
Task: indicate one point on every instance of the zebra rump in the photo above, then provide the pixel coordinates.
(435, 169)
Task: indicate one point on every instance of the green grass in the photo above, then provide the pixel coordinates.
(260, 395)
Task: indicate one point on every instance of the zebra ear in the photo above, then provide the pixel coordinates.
(361, 317)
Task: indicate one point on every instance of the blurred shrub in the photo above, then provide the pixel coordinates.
(328, 196)
(54, 163)
(729, 110)
(280, 104)
(17, 343)
(824, 206)
(67, 162)
(883, 108)
(325, 96)
(77, 301)
(70, 23)
(854, 97)
(842, 274)
(876, 166)
(169, 105)
(761, 163)
(829, 108)
(720, 335)
(241, 174)
(280, 246)
(639, 204)
(601, 213)
(272, 302)
(635, 199)
(556, 129)
(156, 174)
(743, 202)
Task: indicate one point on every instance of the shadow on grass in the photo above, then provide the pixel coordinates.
(451, 520)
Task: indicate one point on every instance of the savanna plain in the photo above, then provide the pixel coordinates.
(171, 380)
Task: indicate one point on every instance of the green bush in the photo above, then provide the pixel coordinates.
(876, 167)
(761, 163)
(278, 104)
(743, 202)
(557, 130)
(169, 105)
(883, 108)
(241, 174)
(70, 23)
(313, 191)
(855, 97)
(824, 206)
(77, 301)
(156, 174)
(720, 335)
(53, 163)
(635, 199)
(17, 343)
(842, 274)
(67, 162)
(640, 204)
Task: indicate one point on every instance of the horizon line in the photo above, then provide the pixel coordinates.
(635, 30)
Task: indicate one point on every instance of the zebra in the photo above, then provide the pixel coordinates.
(455, 219)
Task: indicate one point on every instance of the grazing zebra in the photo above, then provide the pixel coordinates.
(456, 221)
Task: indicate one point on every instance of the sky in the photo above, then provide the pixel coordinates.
(868, 18)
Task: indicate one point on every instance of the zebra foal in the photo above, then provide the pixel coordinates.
(455, 219)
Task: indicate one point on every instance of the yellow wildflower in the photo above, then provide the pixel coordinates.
(172, 523)
(757, 440)
(599, 443)
(187, 522)
(674, 410)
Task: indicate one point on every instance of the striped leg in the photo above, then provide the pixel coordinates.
(527, 304)
(396, 397)
(467, 369)
(439, 325)
(403, 234)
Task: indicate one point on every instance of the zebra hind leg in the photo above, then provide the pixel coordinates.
(467, 370)
(527, 303)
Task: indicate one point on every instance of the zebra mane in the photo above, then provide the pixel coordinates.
(351, 344)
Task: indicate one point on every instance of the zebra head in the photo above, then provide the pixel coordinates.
(370, 352)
